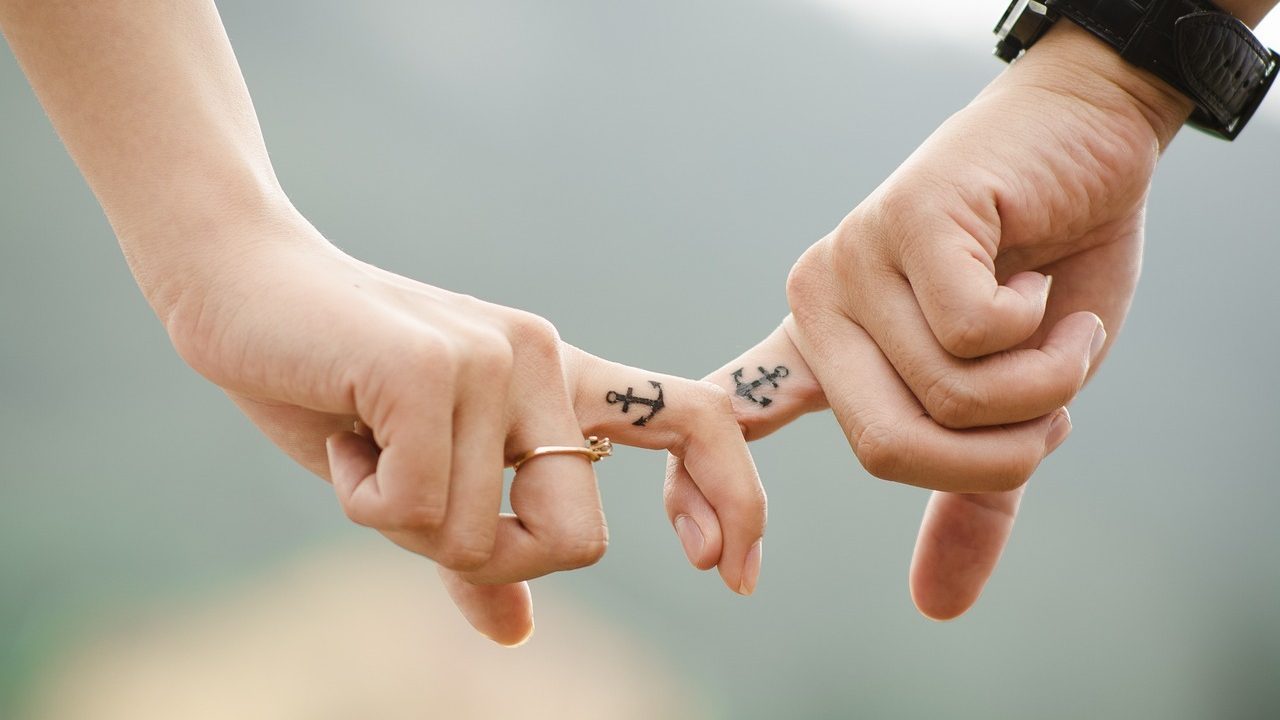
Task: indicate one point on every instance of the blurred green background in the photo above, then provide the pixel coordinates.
(644, 174)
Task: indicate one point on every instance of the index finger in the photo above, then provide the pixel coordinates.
(893, 436)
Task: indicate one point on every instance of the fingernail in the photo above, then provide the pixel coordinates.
(1099, 339)
(751, 569)
(1048, 284)
(690, 537)
(1058, 431)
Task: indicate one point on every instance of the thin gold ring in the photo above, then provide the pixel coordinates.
(595, 450)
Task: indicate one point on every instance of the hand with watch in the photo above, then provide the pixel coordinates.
(1205, 53)
(954, 314)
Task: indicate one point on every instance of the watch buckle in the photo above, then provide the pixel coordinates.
(1021, 25)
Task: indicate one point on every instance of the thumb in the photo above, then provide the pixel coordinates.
(502, 613)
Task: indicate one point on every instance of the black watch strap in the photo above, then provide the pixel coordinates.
(1204, 52)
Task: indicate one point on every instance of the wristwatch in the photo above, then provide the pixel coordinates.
(1207, 54)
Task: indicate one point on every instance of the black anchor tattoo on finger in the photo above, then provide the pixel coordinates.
(748, 390)
(614, 397)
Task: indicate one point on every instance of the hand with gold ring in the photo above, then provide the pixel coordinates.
(413, 400)
(595, 450)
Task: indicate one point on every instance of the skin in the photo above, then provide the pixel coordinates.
(925, 321)
(955, 313)
(411, 399)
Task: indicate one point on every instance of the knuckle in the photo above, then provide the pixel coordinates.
(464, 552)
(749, 505)
(879, 449)
(813, 279)
(713, 402)
(1065, 383)
(896, 204)
(1012, 476)
(587, 552)
(802, 280)
(358, 514)
(895, 216)
(425, 516)
(1011, 471)
(744, 509)
(952, 402)
(909, 204)
(832, 275)
(757, 503)
(1060, 394)
(535, 335)
(431, 351)
(1013, 482)
(913, 253)
(965, 335)
(491, 354)
(582, 548)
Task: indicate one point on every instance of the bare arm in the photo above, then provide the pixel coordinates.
(312, 344)
(150, 102)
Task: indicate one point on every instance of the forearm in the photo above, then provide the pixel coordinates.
(150, 102)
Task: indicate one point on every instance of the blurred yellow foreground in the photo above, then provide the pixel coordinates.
(362, 632)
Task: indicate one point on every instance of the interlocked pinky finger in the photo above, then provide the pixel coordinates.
(692, 516)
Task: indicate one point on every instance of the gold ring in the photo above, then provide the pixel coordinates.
(595, 450)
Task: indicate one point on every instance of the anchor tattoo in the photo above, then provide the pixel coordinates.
(747, 390)
(614, 397)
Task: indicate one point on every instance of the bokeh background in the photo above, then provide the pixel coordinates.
(643, 174)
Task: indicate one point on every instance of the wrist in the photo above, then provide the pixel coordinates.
(1071, 62)
(210, 244)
